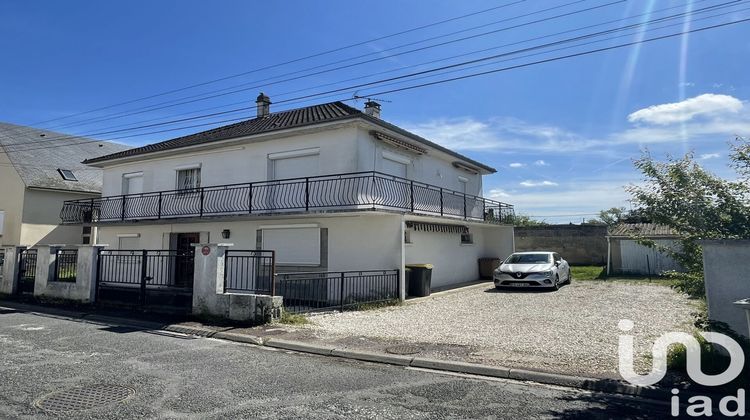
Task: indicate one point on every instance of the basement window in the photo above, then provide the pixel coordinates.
(67, 174)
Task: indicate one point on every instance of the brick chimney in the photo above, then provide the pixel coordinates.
(372, 109)
(264, 105)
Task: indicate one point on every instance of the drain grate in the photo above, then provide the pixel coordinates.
(404, 349)
(79, 399)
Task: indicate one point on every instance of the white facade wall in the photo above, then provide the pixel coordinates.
(235, 164)
(453, 261)
(434, 168)
(355, 241)
(342, 149)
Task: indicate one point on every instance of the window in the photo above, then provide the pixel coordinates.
(188, 179)
(129, 242)
(67, 174)
(467, 238)
(293, 245)
(407, 236)
(132, 183)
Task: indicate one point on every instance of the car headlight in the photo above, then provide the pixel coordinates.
(547, 273)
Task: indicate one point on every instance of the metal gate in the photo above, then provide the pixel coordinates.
(158, 280)
(26, 270)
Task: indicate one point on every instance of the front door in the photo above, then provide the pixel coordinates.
(185, 259)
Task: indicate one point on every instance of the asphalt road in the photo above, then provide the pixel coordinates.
(175, 376)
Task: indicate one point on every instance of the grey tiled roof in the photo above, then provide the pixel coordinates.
(648, 230)
(36, 161)
(295, 118)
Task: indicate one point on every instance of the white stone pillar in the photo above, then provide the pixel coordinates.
(45, 260)
(86, 272)
(9, 282)
(208, 280)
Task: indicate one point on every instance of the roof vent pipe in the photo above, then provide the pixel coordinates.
(264, 105)
(372, 109)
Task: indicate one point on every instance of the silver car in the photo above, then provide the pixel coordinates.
(533, 269)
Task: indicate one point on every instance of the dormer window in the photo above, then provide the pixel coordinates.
(67, 175)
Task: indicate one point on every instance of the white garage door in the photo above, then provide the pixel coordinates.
(296, 167)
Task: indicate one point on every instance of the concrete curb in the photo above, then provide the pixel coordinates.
(240, 338)
(197, 331)
(391, 359)
(298, 346)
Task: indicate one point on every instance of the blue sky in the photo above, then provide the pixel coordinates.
(562, 134)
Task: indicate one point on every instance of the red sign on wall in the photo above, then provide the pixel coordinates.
(205, 250)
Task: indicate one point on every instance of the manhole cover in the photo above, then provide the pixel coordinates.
(403, 349)
(78, 399)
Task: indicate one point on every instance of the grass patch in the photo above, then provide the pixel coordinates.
(376, 305)
(293, 319)
(588, 272)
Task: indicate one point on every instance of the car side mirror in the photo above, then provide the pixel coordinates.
(557, 263)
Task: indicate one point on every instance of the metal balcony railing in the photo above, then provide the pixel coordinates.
(351, 191)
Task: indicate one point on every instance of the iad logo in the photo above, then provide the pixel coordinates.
(699, 405)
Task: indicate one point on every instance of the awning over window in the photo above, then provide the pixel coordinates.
(436, 227)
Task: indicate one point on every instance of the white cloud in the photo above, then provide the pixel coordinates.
(707, 156)
(711, 117)
(530, 183)
(708, 104)
(517, 165)
(577, 196)
(541, 163)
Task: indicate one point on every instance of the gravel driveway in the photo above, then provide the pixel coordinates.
(573, 330)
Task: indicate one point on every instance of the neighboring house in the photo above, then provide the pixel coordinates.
(39, 170)
(627, 256)
(328, 187)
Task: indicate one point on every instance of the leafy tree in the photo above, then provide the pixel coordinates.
(609, 217)
(695, 203)
(525, 220)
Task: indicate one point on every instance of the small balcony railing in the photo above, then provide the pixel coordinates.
(352, 191)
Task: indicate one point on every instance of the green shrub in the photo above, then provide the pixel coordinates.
(689, 283)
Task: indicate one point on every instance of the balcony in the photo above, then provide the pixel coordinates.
(341, 192)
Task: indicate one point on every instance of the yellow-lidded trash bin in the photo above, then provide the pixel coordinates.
(420, 279)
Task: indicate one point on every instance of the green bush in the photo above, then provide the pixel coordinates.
(689, 283)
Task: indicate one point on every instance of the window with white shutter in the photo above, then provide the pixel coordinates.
(188, 179)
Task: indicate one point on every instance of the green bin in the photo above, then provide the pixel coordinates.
(420, 279)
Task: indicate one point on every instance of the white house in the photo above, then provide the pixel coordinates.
(328, 187)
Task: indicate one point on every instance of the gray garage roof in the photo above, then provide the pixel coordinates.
(646, 230)
(295, 118)
(38, 154)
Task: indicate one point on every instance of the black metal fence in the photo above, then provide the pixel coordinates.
(66, 262)
(26, 270)
(249, 271)
(351, 191)
(309, 292)
(146, 277)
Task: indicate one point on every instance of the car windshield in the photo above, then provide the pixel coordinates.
(528, 259)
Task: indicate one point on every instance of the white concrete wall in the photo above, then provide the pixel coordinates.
(239, 163)
(453, 261)
(727, 281)
(343, 149)
(433, 168)
(355, 241)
